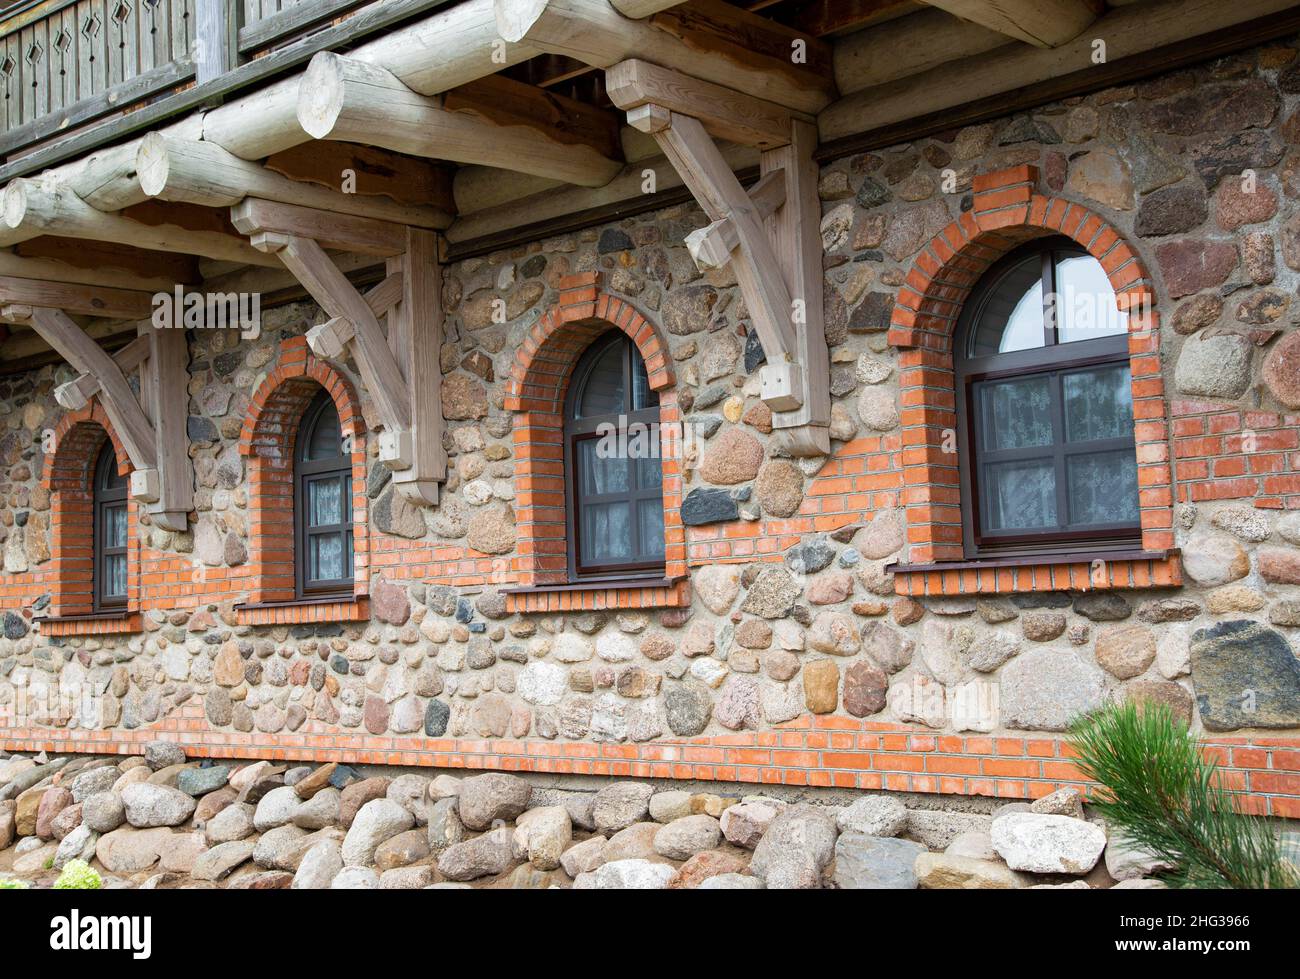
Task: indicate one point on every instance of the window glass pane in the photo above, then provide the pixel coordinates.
(1017, 413)
(326, 557)
(650, 473)
(603, 466)
(326, 438)
(642, 396)
(325, 502)
(1085, 301)
(1098, 404)
(606, 533)
(115, 575)
(1103, 488)
(1020, 495)
(1011, 317)
(115, 529)
(107, 469)
(603, 393)
(650, 515)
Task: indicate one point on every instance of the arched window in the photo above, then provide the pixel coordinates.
(110, 531)
(322, 503)
(612, 463)
(1044, 406)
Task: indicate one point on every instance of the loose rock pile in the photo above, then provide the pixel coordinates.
(158, 820)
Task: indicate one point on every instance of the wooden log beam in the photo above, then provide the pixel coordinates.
(347, 233)
(200, 172)
(86, 300)
(637, 9)
(707, 39)
(59, 271)
(1128, 32)
(908, 46)
(76, 394)
(1042, 23)
(377, 173)
(349, 100)
(725, 113)
(32, 208)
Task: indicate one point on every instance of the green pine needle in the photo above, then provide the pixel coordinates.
(1161, 792)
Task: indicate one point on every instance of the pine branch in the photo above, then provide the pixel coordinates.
(1165, 795)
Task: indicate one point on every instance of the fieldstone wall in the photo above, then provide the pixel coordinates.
(794, 610)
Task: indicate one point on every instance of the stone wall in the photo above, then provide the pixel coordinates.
(793, 618)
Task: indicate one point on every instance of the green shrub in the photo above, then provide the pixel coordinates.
(78, 876)
(13, 884)
(1165, 795)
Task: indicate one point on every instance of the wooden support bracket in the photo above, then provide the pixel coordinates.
(770, 236)
(399, 367)
(152, 426)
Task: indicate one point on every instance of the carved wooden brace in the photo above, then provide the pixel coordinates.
(152, 426)
(770, 235)
(399, 366)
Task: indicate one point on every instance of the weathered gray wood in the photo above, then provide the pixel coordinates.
(350, 100)
(213, 54)
(119, 401)
(380, 372)
(1042, 23)
(88, 300)
(711, 247)
(164, 388)
(338, 231)
(796, 229)
(415, 332)
(758, 272)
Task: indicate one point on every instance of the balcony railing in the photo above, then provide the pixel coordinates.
(75, 73)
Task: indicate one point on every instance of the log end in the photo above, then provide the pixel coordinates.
(151, 164)
(320, 97)
(515, 18)
(15, 203)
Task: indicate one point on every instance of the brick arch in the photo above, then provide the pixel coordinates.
(535, 391)
(267, 441)
(69, 476)
(1008, 211)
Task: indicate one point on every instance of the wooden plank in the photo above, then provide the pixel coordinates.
(270, 26)
(908, 46)
(213, 57)
(712, 247)
(824, 17)
(1042, 23)
(726, 114)
(164, 388)
(1141, 40)
(344, 232)
(89, 300)
(415, 334)
(796, 229)
(90, 263)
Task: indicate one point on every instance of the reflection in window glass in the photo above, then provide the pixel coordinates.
(1011, 316)
(604, 391)
(1085, 301)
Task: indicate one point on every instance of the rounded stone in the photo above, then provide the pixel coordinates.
(734, 458)
(1216, 366)
(779, 488)
(878, 409)
(1126, 652)
(1281, 371)
(1214, 559)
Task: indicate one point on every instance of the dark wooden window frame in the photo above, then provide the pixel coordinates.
(1054, 360)
(578, 430)
(110, 492)
(305, 473)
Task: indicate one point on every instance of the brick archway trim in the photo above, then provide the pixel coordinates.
(267, 441)
(535, 392)
(69, 477)
(1007, 211)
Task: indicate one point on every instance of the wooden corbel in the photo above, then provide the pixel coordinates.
(152, 426)
(770, 234)
(399, 367)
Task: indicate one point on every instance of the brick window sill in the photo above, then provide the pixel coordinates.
(1107, 571)
(304, 612)
(638, 593)
(97, 624)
